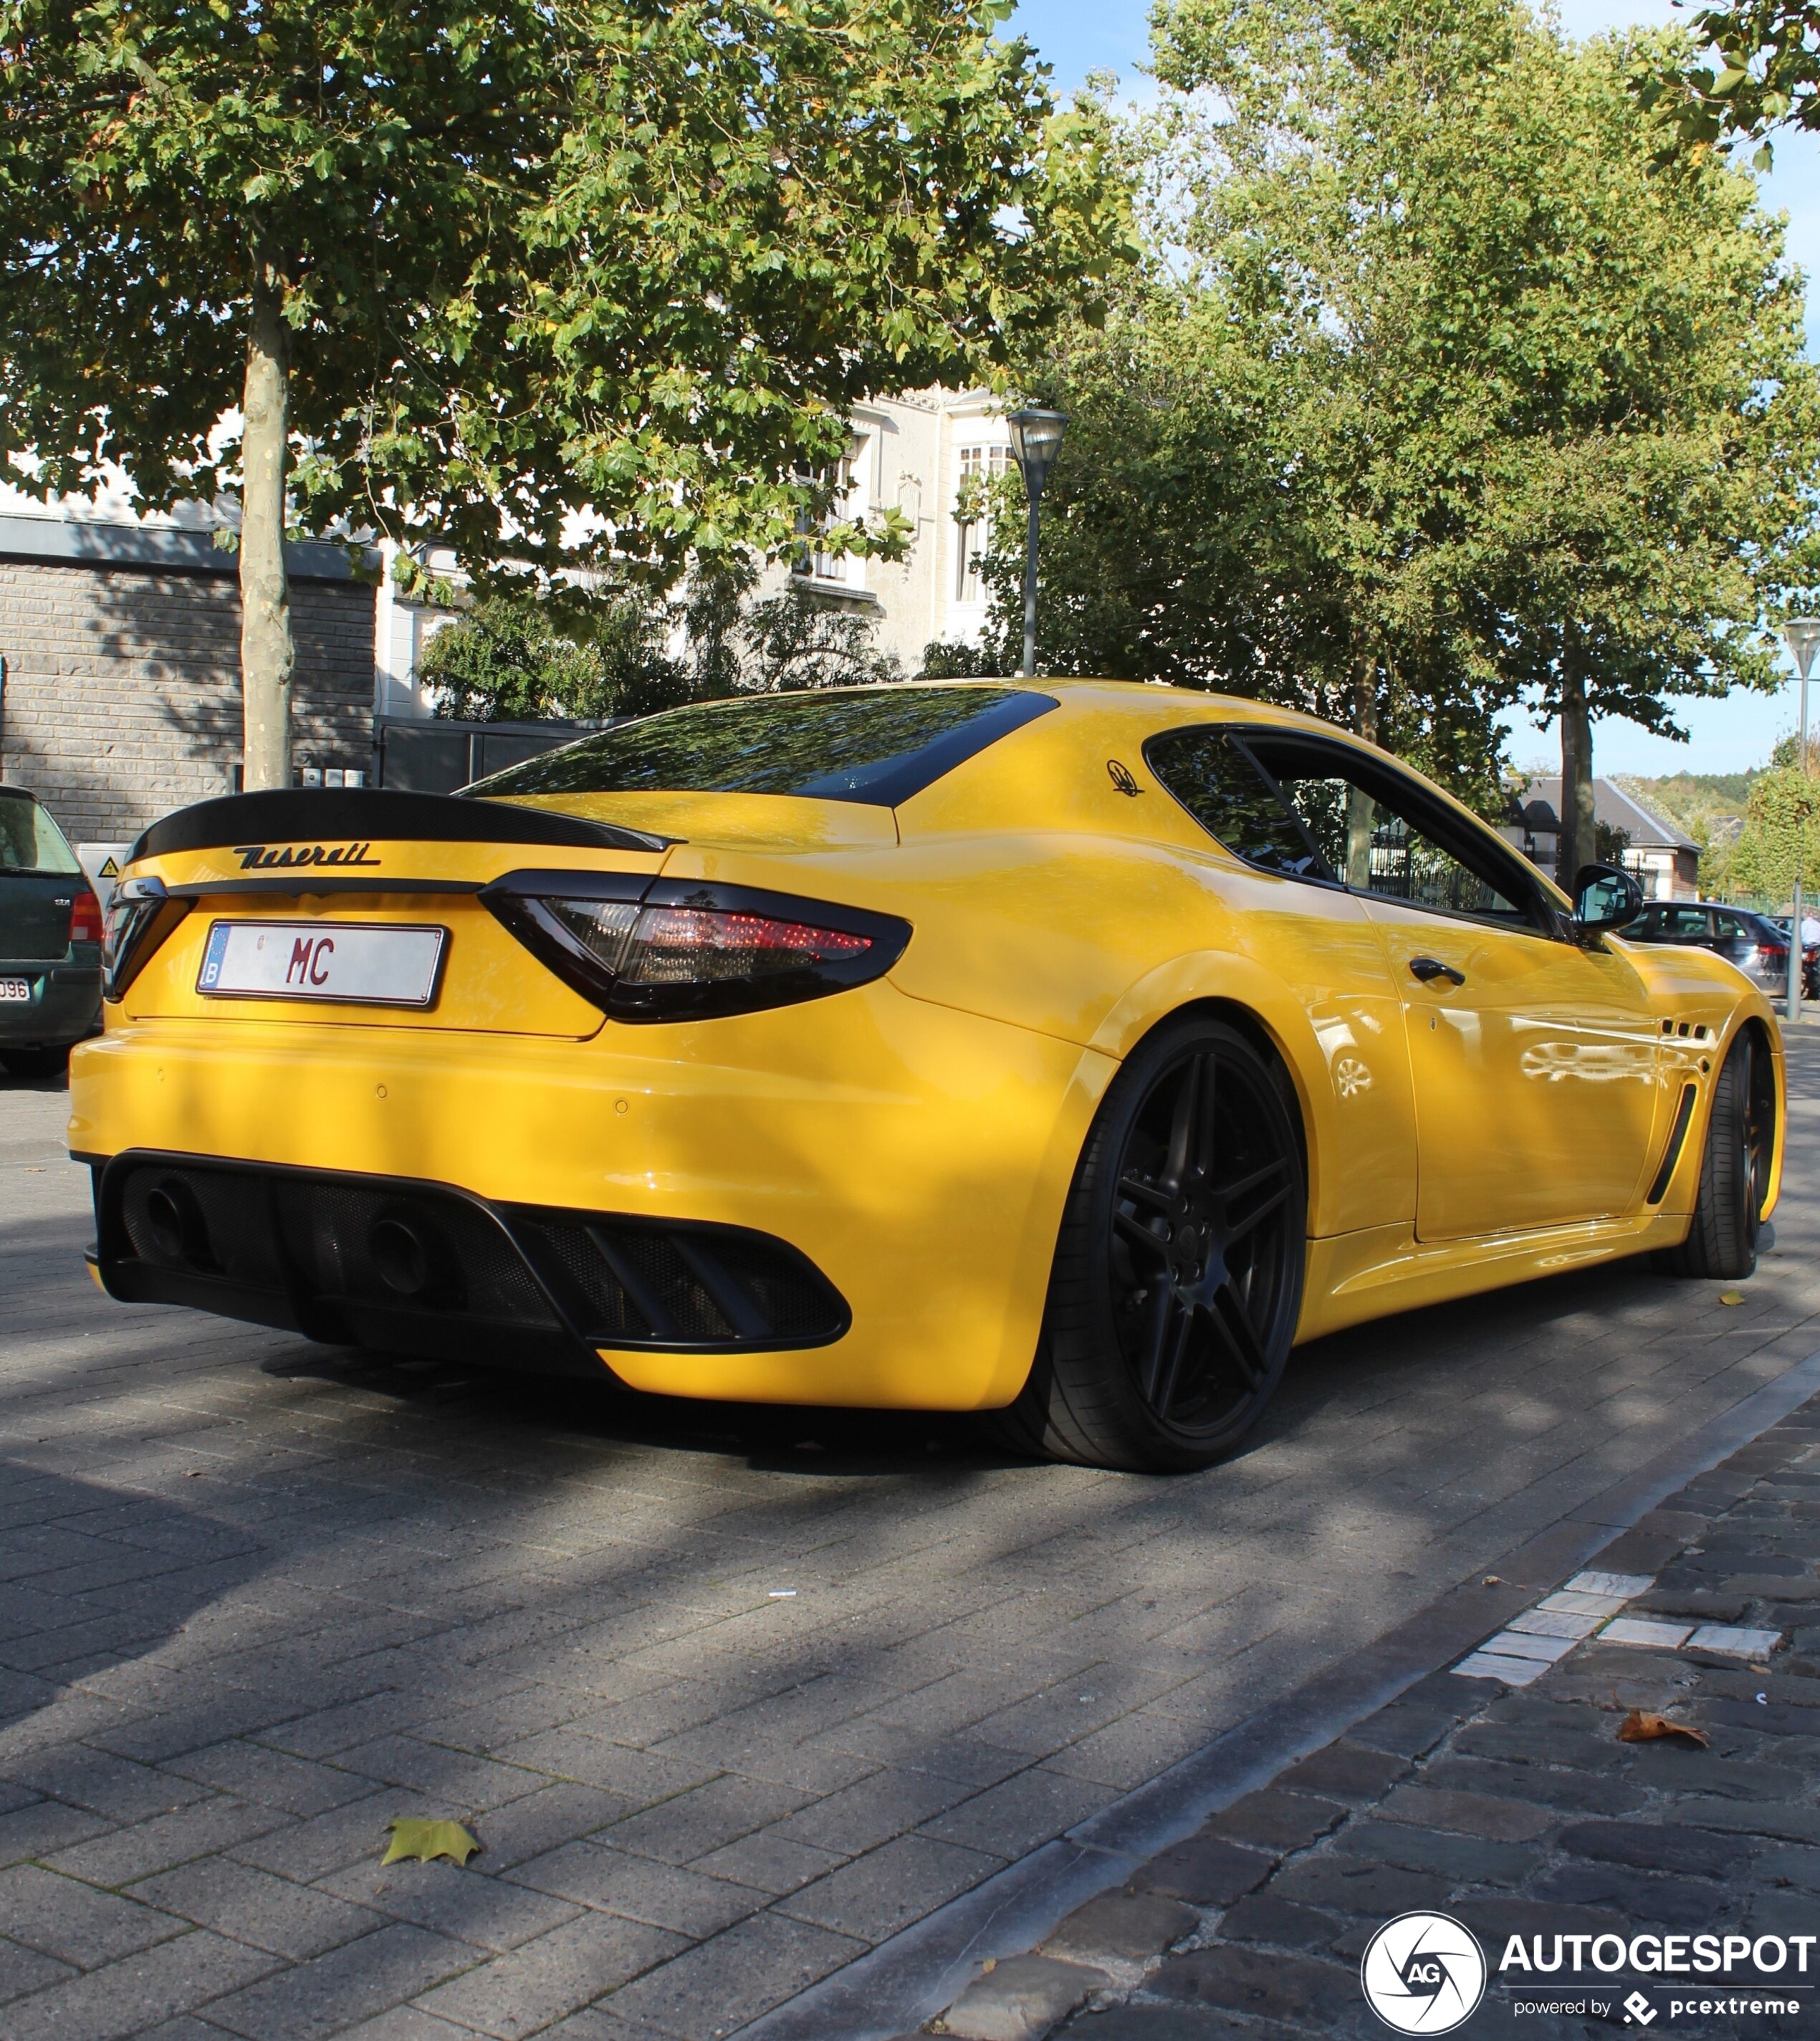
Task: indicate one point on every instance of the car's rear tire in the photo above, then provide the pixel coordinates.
(1178, 1270)
(1735, 1166)
(35, 1063)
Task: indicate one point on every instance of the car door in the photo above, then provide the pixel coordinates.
(1317, 940)
(1533, 1057)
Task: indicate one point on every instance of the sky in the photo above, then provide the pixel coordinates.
(1076, 37)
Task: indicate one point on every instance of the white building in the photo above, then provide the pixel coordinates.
(909, 453)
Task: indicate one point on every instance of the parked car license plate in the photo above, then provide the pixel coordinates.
(15, 991)
(352, 962)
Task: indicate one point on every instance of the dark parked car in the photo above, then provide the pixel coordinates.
(50, 941)
(1809, 955)
(1751, 941)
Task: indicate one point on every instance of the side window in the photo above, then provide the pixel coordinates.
(1729, 928)
(1294, 805)
(1224, 791)
(1685, 925)
(1382, 837)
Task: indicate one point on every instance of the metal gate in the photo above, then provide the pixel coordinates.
(431, 755)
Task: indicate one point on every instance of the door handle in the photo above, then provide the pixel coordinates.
(1428, 969)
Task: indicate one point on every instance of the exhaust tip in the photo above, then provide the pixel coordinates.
(400, 1257)
(414, 1259)
(174, 1220)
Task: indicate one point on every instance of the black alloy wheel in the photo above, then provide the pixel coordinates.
(1735, 1166)
(1178, 1272)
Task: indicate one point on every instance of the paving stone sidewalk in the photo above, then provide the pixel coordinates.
(1513, 1808)
(257, 1599)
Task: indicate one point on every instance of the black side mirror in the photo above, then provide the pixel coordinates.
(1605, 898)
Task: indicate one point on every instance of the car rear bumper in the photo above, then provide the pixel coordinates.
(425, 1268)
(65, 1002)
(915, 1158)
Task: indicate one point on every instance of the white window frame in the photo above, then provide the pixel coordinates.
(984, 461)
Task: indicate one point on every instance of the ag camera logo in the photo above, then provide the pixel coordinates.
(1423, 1974)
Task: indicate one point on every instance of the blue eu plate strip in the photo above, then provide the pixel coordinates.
(215, 956)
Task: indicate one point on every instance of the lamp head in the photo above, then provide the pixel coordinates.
(1036, 441)
(1802, 635)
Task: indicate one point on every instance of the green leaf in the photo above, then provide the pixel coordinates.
(424, 1840)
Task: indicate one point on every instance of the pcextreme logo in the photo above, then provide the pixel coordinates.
(1423, 1974)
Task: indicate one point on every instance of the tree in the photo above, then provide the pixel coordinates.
(1766, 75)
(514, 657)
(506, 660)
(1780, 836)
(1436, 393)
(578, 285)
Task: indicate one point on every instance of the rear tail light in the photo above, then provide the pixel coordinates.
(669, 951)
(139, 916)
(85, 919)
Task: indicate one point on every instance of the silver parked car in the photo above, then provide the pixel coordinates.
(1750, 940)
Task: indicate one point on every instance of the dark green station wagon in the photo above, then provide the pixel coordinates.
(50, 940)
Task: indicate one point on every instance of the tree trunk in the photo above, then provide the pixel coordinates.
(1578, 838)
(267, 655)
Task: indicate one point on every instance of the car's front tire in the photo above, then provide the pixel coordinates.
(1178, 1271)
(1734, 1167)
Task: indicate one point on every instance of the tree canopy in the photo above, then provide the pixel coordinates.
(1763, 73)
(1438, 392)
(513, 657)
(552, 283)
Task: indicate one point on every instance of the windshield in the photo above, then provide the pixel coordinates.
(877, 746)
(30, 840)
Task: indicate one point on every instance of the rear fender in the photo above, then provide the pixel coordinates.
(1211, 979)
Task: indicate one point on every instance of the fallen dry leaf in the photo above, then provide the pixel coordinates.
(1491, 1580)
(1731, 1296)
(425, 1840)
(1641, 1726)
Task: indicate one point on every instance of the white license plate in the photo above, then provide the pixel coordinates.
(15, 991)
(353, 962)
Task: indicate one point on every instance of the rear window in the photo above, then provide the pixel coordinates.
(878, 746)
(30, 840)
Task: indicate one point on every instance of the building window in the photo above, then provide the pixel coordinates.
(980, 467)
(808, 559)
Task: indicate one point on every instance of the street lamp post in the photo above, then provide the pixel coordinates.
(1802, 634)
(1036, 441)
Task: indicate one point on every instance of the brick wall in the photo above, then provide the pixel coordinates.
(123, 687)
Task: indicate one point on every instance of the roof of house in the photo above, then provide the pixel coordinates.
(1617, 810)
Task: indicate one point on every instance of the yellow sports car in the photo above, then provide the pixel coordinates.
(1068, 1050)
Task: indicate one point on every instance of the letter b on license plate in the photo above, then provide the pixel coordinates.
(349, 962)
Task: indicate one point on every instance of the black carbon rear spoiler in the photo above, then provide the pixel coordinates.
(319, 818)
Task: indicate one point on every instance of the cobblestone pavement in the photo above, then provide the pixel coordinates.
(730, 1699)
(1518, 1811)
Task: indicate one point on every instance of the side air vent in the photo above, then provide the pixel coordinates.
(1672, 1154)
